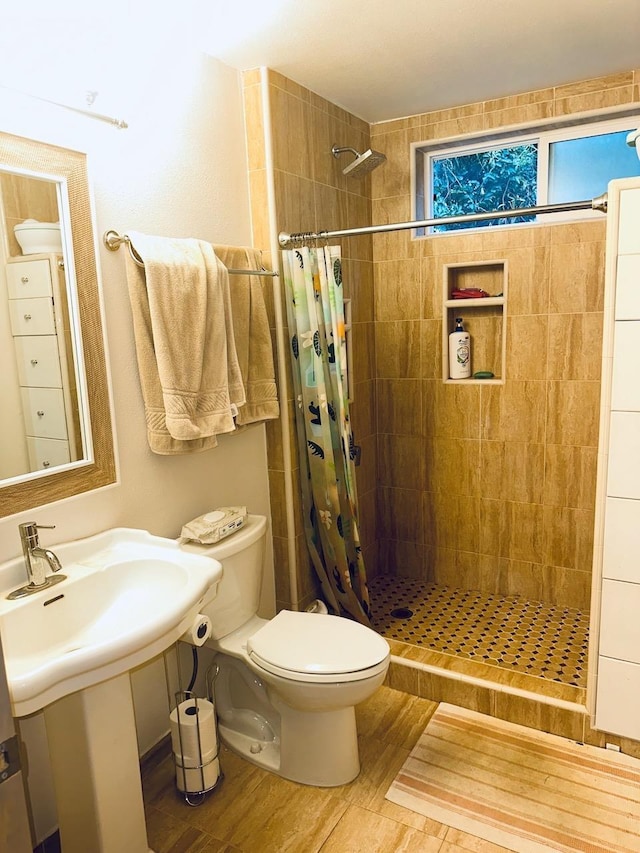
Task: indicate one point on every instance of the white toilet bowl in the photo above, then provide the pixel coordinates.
(288, 661)
(286, 689)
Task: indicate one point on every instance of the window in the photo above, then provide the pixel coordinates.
(497, 178)
(550, 166)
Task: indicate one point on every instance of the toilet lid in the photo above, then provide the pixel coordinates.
(314, 643)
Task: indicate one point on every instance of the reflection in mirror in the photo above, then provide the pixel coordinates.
(41, 426)
(55, 430)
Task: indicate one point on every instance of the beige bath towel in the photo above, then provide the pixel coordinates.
(188, 366)
(252, 335)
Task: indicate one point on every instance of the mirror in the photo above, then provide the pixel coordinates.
(55, 426)
(44, 420)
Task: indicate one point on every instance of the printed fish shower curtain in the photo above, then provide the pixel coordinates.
(315, 313)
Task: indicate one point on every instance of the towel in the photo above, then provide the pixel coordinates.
(189, 371)
(252, 336)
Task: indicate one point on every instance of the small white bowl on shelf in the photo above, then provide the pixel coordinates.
(38, 237)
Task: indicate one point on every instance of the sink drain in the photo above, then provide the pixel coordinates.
(402, 613)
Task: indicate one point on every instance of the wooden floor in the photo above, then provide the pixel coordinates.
(253, 811)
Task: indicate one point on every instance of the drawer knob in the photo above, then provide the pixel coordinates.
(40, 413)
(46, 464)
(27, 316)
(34, 361)
(25, 279)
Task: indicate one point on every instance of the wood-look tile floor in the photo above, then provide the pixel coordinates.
(510, 632)
(253, 811)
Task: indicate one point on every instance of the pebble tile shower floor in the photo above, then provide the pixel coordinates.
(507, 631)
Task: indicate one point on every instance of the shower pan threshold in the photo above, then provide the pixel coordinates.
(506, 643)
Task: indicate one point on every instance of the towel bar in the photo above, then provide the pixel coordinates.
(113, 241)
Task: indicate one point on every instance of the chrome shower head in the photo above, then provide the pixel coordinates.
(363, 164)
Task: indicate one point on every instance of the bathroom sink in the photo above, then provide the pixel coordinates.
(127, 597)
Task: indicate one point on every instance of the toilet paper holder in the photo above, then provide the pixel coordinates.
(195, 751)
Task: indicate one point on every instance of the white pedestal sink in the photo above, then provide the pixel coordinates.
(68, 649)
(94, 760)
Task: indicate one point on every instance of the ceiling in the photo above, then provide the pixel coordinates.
(379, 59)
(384, 59)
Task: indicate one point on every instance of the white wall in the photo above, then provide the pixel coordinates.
(179, 170)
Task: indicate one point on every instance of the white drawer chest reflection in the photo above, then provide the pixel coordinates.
(40, 327)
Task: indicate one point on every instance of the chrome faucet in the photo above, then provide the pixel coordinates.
(37, 559)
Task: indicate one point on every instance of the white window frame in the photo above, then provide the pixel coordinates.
(544, 135)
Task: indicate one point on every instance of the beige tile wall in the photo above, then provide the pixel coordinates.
(490, 487)
(311, 193)
(483, 487)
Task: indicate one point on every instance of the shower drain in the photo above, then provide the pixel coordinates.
(402, 613)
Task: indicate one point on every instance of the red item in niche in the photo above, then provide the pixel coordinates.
(469, 293)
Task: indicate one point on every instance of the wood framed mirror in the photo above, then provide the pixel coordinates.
(26, 168)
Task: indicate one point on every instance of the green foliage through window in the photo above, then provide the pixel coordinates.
(495, 179)
(547, 165)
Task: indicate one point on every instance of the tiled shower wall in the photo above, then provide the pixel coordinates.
(488, 488)
(312, 193)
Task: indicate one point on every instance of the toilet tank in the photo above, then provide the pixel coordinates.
(238, 593)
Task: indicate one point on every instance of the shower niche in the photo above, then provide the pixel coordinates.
(484, 317)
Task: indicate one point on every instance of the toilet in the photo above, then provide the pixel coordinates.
(286, 688)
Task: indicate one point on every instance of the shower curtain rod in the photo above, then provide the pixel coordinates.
(121, 124)
(599, 203)
(113, 241)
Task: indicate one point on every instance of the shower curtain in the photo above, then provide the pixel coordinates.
(315, 313)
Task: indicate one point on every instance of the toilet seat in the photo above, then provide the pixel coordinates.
(317, 648)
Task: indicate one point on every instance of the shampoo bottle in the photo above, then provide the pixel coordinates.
(459, 352)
